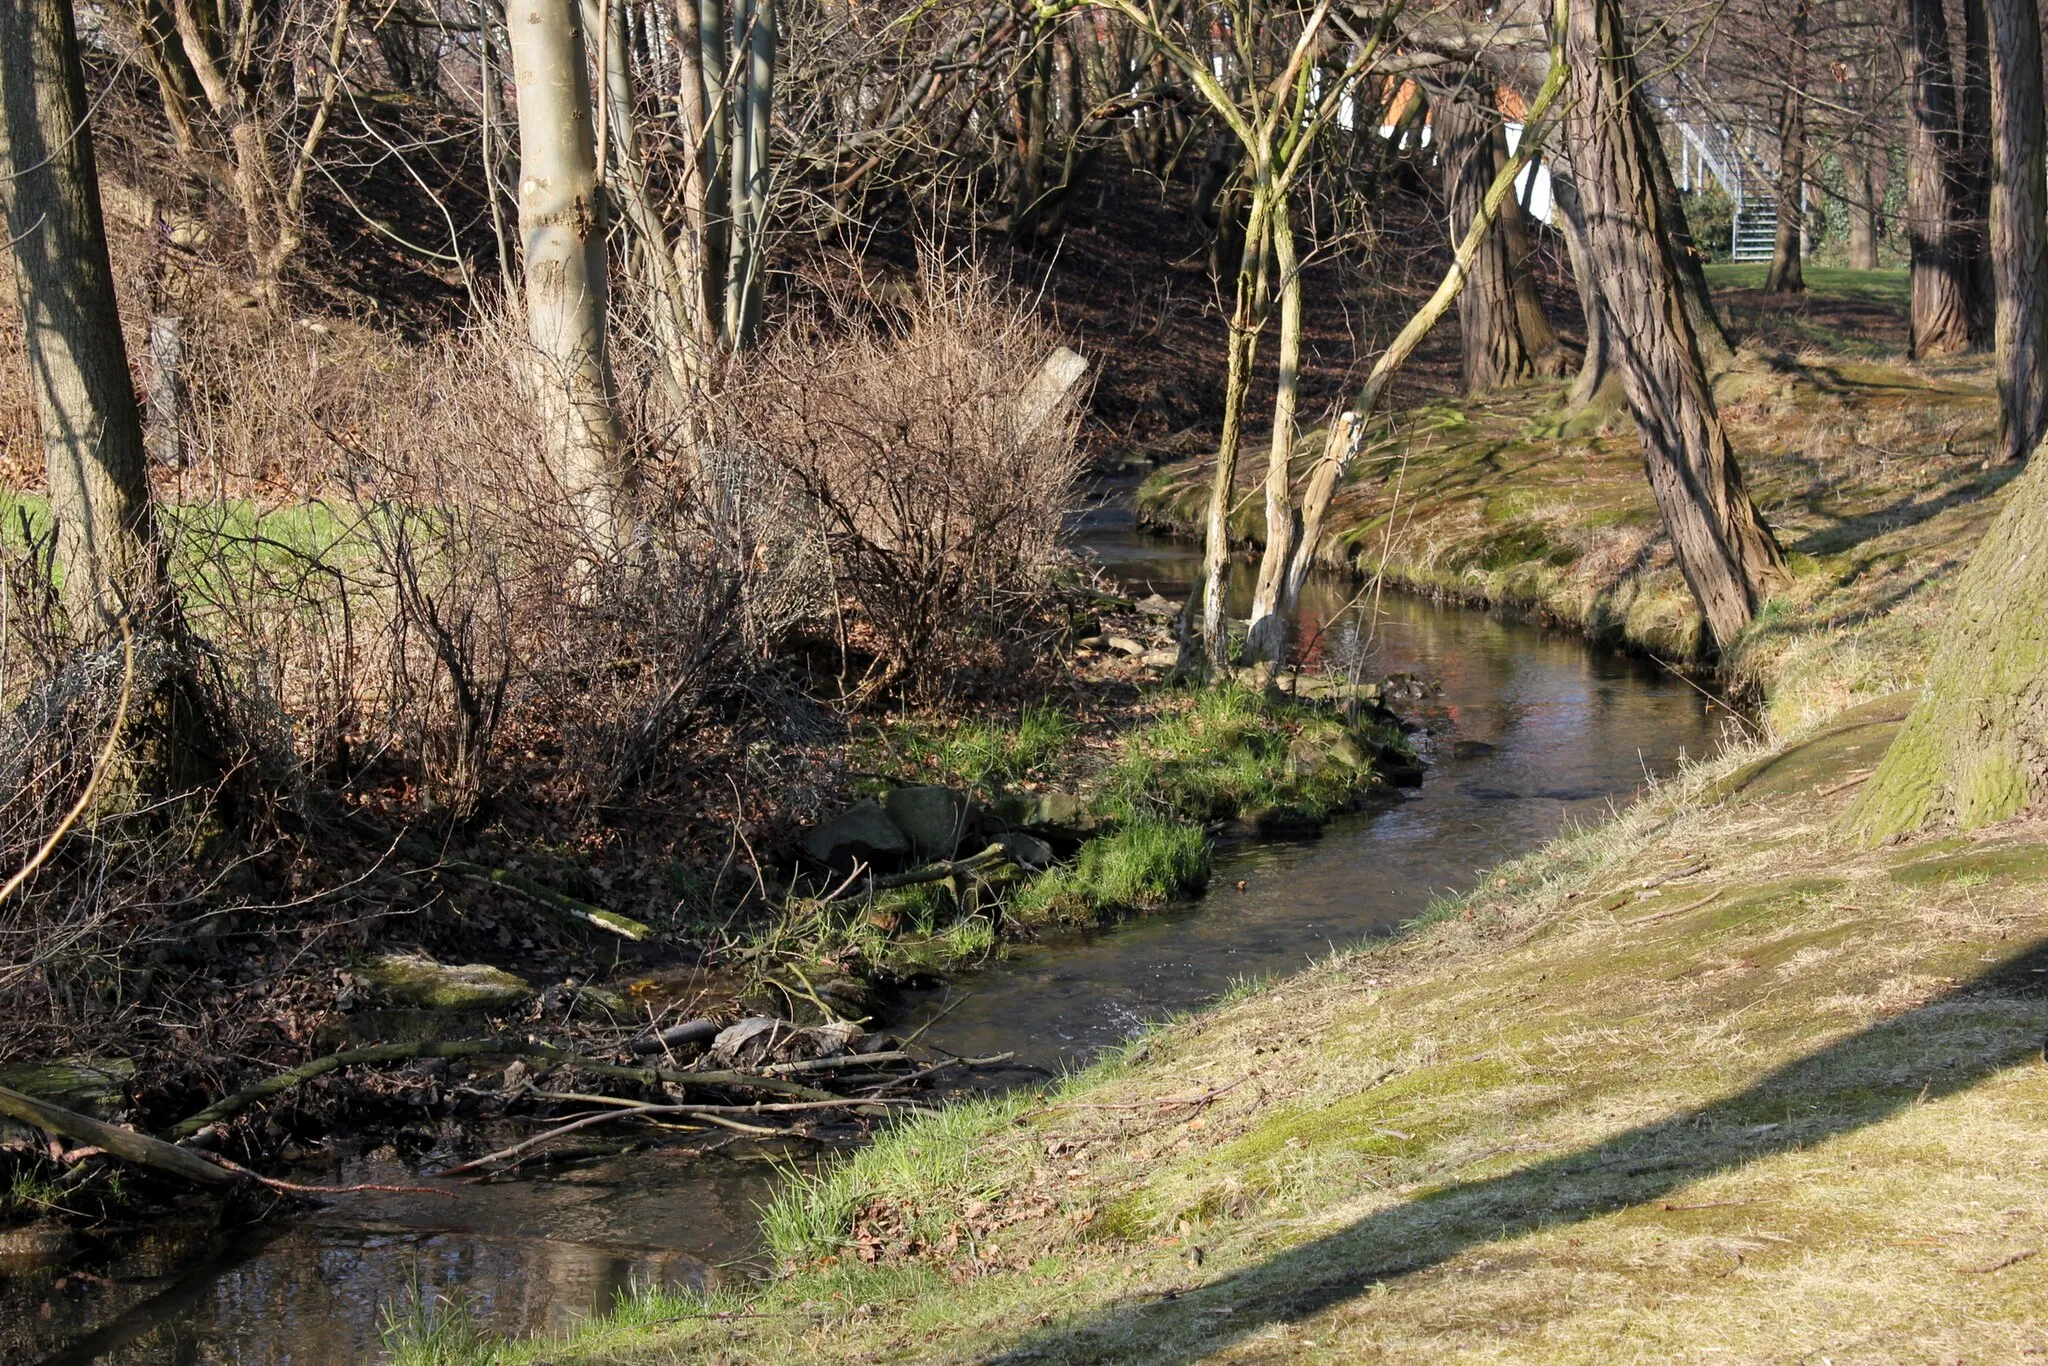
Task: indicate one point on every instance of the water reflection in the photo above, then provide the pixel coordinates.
(1531, 732)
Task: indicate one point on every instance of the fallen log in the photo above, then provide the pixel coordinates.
(690, 1031)
(227, 1106)
(125, 1144)
(938, 872)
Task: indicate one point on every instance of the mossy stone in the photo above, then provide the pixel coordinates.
(413, 979)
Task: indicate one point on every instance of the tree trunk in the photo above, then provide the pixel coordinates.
(753, 33)
(1973, 171)
(1939, 321)
(1727, 554)
(1975, 748)
(1548, 356)
(1596, 368)
(1865, 204)
(1267, 638)
(561, 230)
(1488, 327)
(1247, 316)
(77, 365)
(1716, 351)
(115, 578)
(2019, 227)
(1788, 252)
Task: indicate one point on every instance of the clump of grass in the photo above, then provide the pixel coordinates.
(1141, 866)
(1228, 754)
(427, 1328)
(981, 755)
(927, 1164)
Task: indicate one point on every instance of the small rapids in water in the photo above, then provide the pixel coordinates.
(1527, 731)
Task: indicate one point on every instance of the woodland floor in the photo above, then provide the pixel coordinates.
(1703, 1083)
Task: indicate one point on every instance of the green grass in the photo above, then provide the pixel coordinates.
(1226, 755)
(426, 1328)
(980, 755)
(1143, 865)
(1891, 288)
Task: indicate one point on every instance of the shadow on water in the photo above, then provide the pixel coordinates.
(1859, 1081)
(1531, 730)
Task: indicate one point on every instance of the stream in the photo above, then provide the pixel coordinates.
(1527, 731)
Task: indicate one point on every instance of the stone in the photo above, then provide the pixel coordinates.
(1159, 659)
(1028, 850)
(862, 831)
(1059, 813)
(750, 1042)
(1124, 645)
(413, 979)
(933, 819)
(1158, 606)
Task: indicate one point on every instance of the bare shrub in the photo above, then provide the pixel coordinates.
(940, 502)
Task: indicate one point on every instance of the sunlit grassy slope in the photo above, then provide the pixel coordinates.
(1701, 1084)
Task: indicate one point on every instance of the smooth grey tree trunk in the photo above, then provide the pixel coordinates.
(561, 230)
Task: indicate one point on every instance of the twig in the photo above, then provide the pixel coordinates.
(790, 1069)
(298, 1188)
(1845, 784)
(2002, 1263)
(1708, 1204)
(471, 1048)
(943, 1013)
(1162, 1102)
(1675, 910)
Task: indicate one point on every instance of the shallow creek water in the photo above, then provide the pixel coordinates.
(1531, 731)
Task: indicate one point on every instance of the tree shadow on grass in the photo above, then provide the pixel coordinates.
(1859, 1081)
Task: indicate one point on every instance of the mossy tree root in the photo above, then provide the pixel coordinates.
(1975, 748)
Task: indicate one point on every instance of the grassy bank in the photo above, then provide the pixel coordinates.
(1697, 1082)
(1703, 1082)
(1869, 469)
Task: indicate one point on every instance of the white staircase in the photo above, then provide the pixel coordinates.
(1756, 231)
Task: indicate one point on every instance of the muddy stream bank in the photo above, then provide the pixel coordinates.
(1527, 731)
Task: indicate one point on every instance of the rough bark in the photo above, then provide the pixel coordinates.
(77, 365)
(1939, 321)
(1548, 356)
(1865, 201)
(2019, 227)
(1727, 554)
(561, 232)
(1974, 750)
(1489, 329)
(1788, 251)
(1973, 172)
(1597, 366)
(1716, 351)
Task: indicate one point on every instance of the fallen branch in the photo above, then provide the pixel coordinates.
(126, 1144)
(1845, 784)
(430, 859)
(474, 1048)
(711, 1114)
(2002, 1263)
(844, 1060)
(938, 872)
(1161, 1103)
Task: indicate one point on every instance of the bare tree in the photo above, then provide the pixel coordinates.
(1727, 554)
(561, 228)
(2019, 227)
